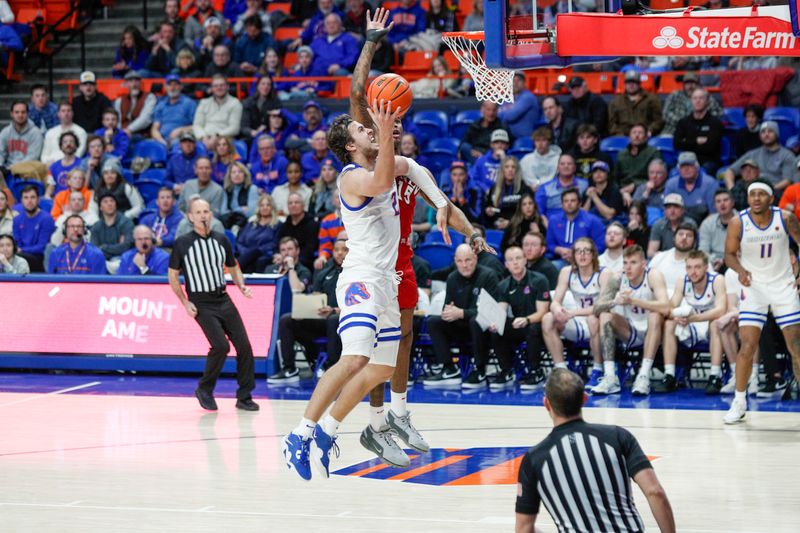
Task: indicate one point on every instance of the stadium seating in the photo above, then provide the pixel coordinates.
(20, 184)
(665, 146)
(148, 188)
(733, 118)
(788, 119)
(522, 147)
(151, 174)
(436, 236)
(152, 150)
(438, 255)
(440, 152)
(613, 145)
(494, 237)
(430, 125)
(462, 120)
(241, 149)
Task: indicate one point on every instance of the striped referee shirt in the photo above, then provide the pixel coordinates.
(202, 261)
(582, 472)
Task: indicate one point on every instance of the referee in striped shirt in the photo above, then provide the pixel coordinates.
(201, 256)
(581, 472)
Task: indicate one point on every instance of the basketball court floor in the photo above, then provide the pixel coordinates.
(92, 453)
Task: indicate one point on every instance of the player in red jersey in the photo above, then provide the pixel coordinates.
(377, 436)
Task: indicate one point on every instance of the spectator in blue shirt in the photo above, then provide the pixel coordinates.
(548, 196)
(316, 24)
(32, 229)
(117, 140)
(174, 113)
(484, 171)
(180, 166)
(463, 193)
(571, 224)
(257, 241)
(312, 121)
(76, 256)
(305, 68)
(250, 47)
(164, 222)
(409, 19)
(68, 144)
(335, 52)
(132, 53)
(522, 115)
(312, 161)
(145, 258)
(695, 187)
(41, 111)
(270, 169)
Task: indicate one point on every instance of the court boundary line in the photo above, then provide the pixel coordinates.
(40, 395)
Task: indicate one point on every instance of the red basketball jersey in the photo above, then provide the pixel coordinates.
(407, 200)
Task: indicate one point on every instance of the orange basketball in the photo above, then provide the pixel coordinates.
(393, 88)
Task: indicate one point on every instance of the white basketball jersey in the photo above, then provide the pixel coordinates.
(765, 251)
(373, 231)
(585, 294)
(700, 303)
(643, 291)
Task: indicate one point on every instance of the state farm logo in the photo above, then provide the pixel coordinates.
(668, 38)
(746, 38)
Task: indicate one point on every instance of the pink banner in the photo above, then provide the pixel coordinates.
(118, 318)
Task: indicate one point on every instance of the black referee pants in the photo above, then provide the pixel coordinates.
(443, 333)
(220, 321)
(504, 344)
(306, 331)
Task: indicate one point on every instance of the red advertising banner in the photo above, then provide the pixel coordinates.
(600, 34)
(118, 318)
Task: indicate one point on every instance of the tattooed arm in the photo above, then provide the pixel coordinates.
(607, 296)
(376, 30)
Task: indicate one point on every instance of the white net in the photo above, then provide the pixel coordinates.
(493, 84)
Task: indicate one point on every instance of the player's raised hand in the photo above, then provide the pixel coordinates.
(376, 25)
(382, 116)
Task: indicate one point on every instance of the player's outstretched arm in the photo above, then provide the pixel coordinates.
(376, 30)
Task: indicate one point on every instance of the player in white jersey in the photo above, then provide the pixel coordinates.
(611, 259)
(583, 280)
(632, 309)
(762, 233)
(369, 322)
(696, 304)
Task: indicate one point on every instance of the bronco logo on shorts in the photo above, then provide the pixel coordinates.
(356, 293)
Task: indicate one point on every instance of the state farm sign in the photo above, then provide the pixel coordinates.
(617, 35)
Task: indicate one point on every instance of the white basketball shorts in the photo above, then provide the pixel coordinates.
(779, 297)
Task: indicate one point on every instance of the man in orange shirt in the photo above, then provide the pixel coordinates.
(791, 198)
(76, 181)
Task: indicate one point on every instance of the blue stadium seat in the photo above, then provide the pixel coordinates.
(462, 120)
(435, 236)
(148, 189)
(788, 119)
(654, 214)
(438, 255)
(733, 118)
(152, 174)
(430, 125)
(726, 153)
(613, 145)
(522, 147)
(440, 152)
(792, 142)
(46, 204)
(241, 149)
(200, 148)
(665, 146)
(152, 150)
(127, 175)
(494, 237)
(231, 237)
(20, 184)
(449, 144)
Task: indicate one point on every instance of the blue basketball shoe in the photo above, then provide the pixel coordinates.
(594, 379)
(296, 451)
(324, 444)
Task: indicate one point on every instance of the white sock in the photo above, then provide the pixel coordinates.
(608, 368)
(740, 395)
(733, 369)
(647, 365)
(597, 367)
(561, 365)
(669, 370)
(754, 374)
(305, 428)
(376, 417)
(398, 404)
(330, 425)
(716, 370)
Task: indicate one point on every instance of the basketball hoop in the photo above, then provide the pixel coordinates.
(493, 84)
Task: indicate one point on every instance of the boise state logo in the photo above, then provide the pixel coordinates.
(356, 293)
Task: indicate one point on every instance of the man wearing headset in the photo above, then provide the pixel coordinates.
(145, 258)
(76, 256)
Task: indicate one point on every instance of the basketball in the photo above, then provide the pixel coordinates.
(391, 87)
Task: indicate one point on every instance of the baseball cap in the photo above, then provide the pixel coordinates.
(600, 165)
(187, 136)
(305, 50)
(458, 164)
(88, 76)
(499, 135)
(172, 77)
(212, 21)
(132, 75)
(769, 125)
(673, 199)
(633, 75)
(687, 158)
(751, 163)
(311, 103)
(575, 81)
(328, 162)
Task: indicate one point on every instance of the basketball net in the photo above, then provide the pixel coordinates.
(492, 84)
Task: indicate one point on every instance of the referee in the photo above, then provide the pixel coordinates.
(582, 471)
(201, 257)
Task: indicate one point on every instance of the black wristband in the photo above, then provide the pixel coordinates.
(373, 36)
